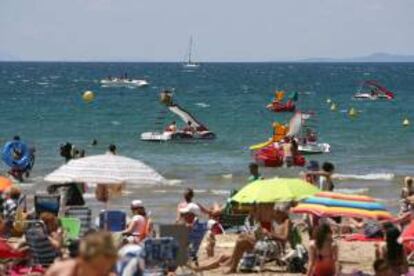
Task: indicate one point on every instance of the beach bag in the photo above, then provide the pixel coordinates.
(248, 262)
(373, 230)
(296, 263)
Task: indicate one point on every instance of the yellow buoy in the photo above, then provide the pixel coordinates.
(352, 112)
(88, 96)
(406, 122)
(328, 100)
(333, 107)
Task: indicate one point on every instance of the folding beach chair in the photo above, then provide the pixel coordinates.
(84, 214)
(71, 226)
(112, 220)
(180, 233)
(160, 255)
(41, 249)
(47, 203)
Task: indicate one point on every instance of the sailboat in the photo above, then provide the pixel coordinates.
(189, 64)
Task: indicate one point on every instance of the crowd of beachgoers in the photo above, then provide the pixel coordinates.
(57, 236)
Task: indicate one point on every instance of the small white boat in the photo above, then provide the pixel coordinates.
(373, 90)
(314, 148)
(177, 136)
(117, 82)
(189, 64)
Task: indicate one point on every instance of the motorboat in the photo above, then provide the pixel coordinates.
(314, 148)
(194, 129)
(121, 82)
(373, 90)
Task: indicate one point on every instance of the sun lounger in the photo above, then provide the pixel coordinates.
(47, 203)
(84, 214)
(112, 220)
(181, 234)
(160, 255)
(71, 226)
(41, 249)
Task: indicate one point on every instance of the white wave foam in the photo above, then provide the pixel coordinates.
(174, 182)
(220, 192)
(352, 191)
(115, 123)
(370, 176)
(203, 105)
(227, 176)
(44, 83)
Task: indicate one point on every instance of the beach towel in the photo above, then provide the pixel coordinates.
(360, 237)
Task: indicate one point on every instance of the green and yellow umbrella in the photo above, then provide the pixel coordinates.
(274, 190)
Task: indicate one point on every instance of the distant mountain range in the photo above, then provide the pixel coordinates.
(376, 57)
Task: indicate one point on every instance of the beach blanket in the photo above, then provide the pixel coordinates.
(359, 237)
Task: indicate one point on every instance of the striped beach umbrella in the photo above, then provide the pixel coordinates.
(328, 204)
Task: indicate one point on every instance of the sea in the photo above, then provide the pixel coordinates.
(372, 152)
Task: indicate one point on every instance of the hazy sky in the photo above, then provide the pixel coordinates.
(223, 30)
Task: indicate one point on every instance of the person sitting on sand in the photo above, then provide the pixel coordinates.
(406, 192)
(323, 253)
(188, 198)
(392, 251)
(140, 226)
(254, 173)
(10, 205)
(97, 257)
(275, 225)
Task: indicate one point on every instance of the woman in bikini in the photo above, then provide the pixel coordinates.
(323, 253)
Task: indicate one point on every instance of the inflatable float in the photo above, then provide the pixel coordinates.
(271, 156)
(17, 155)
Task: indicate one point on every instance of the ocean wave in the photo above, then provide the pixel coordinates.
(44, 83)
(352, 191)
(115, 123)
(370, 176)
(227, 176)
(174, 182)
(203, 105)
(220, 192)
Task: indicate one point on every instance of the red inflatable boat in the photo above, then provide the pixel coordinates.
(273, 157)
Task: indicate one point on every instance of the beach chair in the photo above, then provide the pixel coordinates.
(180, 233)
(160, 255)
(84, 214)
(71, 226)
(195, 237)
(47, 203)
(112, 220)
(42, 251)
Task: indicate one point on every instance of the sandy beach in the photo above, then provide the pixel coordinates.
(353, 256)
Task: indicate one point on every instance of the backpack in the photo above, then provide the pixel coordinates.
(296, 262)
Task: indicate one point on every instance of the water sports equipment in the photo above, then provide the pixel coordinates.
(193, 130)
(329, 204)
(352, 112)
(88, 96)
(17, 155)
(123, 82)
(373, 90)
(278, 106)
(272, 156)
(406, 122)
(333, 107)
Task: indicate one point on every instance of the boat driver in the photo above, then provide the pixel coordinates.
(172, 127)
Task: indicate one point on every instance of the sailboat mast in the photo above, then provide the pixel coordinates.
(191, 46)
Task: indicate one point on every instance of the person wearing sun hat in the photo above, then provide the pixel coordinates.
(140, 225)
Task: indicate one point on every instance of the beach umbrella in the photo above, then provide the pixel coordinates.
(328, 204)
(106, 169)
(5, 183)
(274, 190)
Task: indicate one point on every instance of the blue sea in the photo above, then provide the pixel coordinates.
(42, 102)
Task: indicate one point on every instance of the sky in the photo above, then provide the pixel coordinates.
(223, 30)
